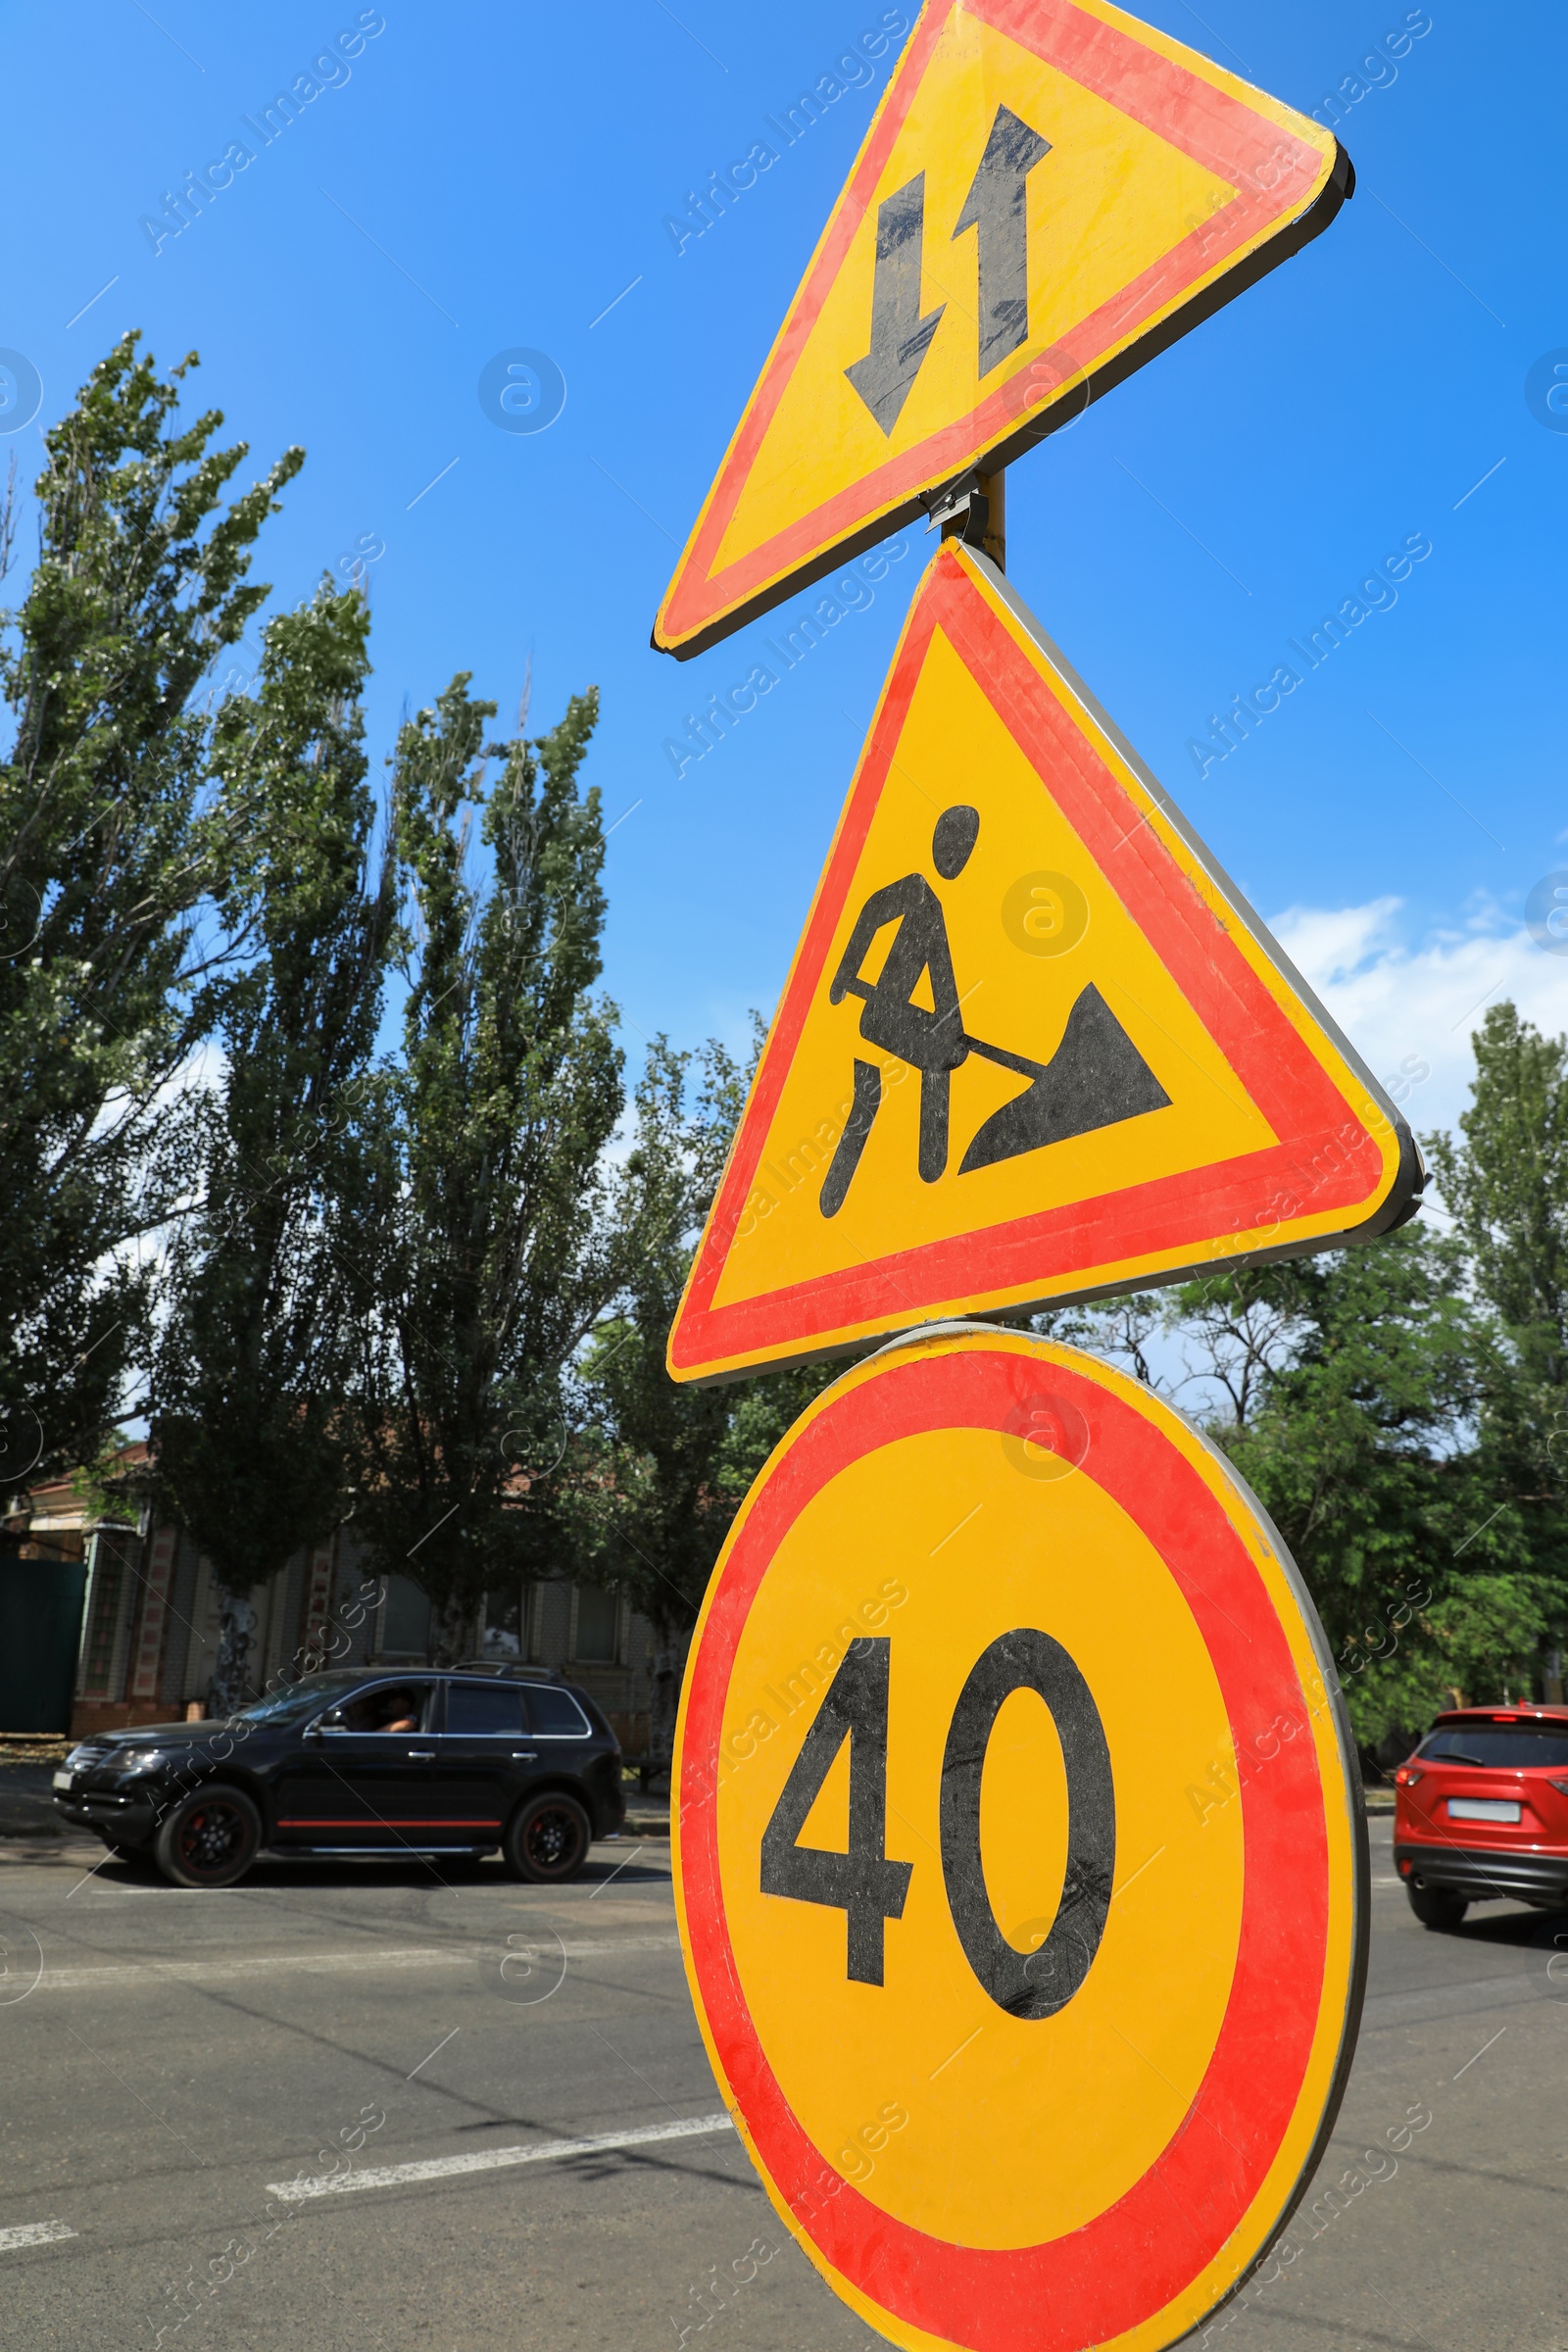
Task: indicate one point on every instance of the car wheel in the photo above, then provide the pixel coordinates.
(210, 1839)
(548, 1838)
(1437, 1906)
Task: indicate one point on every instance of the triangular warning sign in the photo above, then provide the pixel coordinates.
(1033, 1046)
(1048, 194)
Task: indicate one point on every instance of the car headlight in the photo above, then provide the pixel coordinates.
(140, 1759)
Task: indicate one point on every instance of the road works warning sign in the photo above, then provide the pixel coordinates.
(1050, 193)
(1020, 1866)
(1034, 1045)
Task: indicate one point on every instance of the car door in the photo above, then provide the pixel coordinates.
(484, 1756)
(358, 1781)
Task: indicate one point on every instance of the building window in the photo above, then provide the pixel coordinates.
(504, 1628)
(598, 1622)
(547, 1614)
(405, 1619)
(103, 1664)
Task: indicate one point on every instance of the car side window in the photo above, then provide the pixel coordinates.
(484, 1710)
(555, 1714)
(389, 1707)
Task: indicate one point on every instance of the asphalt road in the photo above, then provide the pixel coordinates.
(182, 2059)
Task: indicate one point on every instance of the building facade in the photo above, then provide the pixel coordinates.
(151, 1611)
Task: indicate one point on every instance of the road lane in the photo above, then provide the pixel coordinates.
(1436, 2220)
(110, 1977)
(34, 2233)
(180, 2054)
(181, 2060)
(494, 2160)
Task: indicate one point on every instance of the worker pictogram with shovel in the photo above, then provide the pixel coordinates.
(1096, 1077)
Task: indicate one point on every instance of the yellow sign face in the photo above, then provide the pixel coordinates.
(1033, 1047)
(1048, 194)
(1019, 1866)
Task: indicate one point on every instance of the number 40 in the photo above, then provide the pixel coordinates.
(870, 1889)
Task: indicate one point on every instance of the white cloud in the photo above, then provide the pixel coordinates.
(1406, 1006)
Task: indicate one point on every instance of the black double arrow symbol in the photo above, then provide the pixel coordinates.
(995, 208)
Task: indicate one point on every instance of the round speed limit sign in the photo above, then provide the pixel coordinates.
(1020, 1870)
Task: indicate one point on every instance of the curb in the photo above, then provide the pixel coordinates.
(35, 1818)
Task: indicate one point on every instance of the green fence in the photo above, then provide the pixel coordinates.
(40, 1632)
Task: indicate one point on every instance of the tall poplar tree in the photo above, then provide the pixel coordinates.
(264, 1282)
(1504, 1180)
(492, 1252)
(110, 841)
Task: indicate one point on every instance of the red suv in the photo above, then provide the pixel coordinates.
(1481, 1812)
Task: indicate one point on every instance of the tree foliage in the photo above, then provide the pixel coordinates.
(440, 1280)
(492, 1251)
(1353, 1436)
(660, 1468)
(263, 1285)
(1349, 1389)
(1506, 1184)
(1504, 1180)
(109, 844)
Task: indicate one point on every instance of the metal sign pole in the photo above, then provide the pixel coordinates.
(994, 490)
(974, 509)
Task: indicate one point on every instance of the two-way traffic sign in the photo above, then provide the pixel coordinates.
(995, 210)
(1048, 194)
(1034, 1045)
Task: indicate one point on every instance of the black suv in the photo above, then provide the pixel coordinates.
(457, 1762)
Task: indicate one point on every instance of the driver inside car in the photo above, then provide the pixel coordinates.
(394, 1710)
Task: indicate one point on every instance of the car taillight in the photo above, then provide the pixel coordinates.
(1406, 1777)
(1562, 1784)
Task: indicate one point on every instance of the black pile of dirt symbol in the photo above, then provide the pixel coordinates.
(1096, 1078)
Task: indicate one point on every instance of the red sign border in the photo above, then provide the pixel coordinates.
(1271, 1061)
(1206, 122)
(1080, 2288)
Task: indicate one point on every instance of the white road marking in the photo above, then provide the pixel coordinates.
(34, 2233)
(307, 1963)
(489, 2160)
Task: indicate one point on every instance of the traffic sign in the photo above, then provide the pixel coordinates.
(1048, 193)
(1020, 1865)
(1034, 1045)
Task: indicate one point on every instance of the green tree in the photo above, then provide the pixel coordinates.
(1344, 1386)
(659, 1468)
(263, 1286)
(1352, 1426)
(109, 843)
(646, 1512)
(492, 1251)
(1504, 1180)
(1506, 1184)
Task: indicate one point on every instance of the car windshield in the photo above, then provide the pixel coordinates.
(299, 1698)
(1496, 1747)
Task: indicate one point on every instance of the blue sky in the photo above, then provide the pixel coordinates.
(492, 178)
